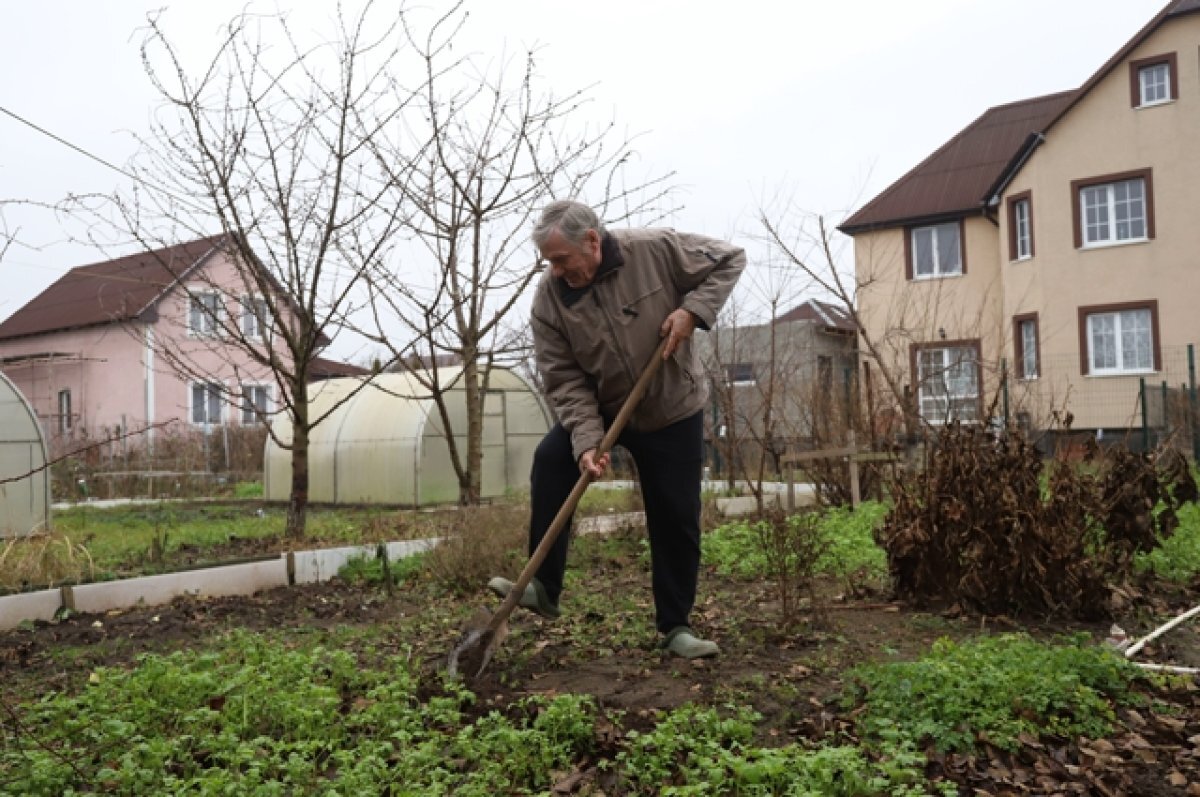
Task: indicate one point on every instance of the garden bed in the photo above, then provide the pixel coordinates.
(605, 648)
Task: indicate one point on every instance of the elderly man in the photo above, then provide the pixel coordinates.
(600, 310)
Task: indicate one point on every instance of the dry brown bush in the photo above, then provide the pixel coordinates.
(977, 529)
(481, 542)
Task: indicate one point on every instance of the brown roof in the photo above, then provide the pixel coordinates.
(115, 290)
(957, 177)
(321, 368)
(827, 315)
(964, 173)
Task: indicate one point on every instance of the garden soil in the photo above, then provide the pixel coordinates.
(792, 676)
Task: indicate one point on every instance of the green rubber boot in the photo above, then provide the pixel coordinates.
(682, 642)
(535, 598)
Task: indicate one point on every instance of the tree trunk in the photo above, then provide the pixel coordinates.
(298, 500)
(470, 484)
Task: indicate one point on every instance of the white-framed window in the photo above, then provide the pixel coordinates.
(256, 318)
(1120, 341)
(204, 314)
(740, 374)
(1027, 347)
(1022, 231)
(1153, 80)
(1154, 83)
(256, 403)
(1114, 212)
(948, 383)
(936, 250)
(64, 412)
(206, 403)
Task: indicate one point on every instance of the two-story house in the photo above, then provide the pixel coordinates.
(1053, 242)
(158, 338)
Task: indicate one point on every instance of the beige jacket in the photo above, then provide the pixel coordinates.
(592, 343)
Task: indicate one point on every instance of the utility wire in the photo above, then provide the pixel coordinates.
(101, 161)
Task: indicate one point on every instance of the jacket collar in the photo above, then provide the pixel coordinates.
(611, 259)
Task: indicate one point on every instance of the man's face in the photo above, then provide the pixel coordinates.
(575, 264)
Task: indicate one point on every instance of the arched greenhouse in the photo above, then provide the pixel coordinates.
(385, 443)
(25, 500)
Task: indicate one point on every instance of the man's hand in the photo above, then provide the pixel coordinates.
(676, 329)
(590, 463)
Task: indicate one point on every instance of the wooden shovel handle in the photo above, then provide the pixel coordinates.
(560, 520)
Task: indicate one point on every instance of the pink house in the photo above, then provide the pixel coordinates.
(145, 340)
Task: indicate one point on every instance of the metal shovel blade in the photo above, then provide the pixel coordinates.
(476, 645)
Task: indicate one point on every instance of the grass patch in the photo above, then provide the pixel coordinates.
(47, 559)
(149, 538)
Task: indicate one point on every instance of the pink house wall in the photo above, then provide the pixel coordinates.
(122, 375)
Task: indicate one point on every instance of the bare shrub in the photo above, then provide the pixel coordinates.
(481, 542)
(47, 559)
(791, 545)
(976, 528)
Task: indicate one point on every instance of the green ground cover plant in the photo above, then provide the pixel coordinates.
(993, 690)
(1178, 557)
(849, 552)
(257, 716)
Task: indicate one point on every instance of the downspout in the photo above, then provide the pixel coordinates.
(149, 360)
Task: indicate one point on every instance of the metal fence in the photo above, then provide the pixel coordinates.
(1139, 410)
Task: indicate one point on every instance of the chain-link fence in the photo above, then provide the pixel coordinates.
(1063, 403)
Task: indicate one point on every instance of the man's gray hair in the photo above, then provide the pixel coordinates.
(572, 219)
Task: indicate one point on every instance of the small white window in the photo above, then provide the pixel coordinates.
(1024, 240)
(204, 314)
(1154, 82)
(64, 412)
(206, 403)
(936, 251)
(256, 403)
(1028, 333)
(1120, 342)
(1114, 212)
(256, 318)
(948, 384)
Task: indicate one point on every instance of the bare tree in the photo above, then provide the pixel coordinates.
(492, 149)
(270, 143)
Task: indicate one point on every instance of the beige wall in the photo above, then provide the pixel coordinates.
(1104, 135)
(898, 312)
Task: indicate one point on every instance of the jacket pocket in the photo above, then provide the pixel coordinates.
(646, 297)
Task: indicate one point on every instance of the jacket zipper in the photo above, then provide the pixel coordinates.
(612, 331)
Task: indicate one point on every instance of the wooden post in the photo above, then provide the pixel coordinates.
(855, 498)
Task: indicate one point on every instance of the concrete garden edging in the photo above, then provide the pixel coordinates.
(244, 578)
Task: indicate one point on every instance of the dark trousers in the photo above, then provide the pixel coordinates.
(669, 463)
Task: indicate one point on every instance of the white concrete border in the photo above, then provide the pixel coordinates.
(242, 579)
(308, 567)
(42, 605)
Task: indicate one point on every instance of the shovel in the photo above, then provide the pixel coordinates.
(483, 634)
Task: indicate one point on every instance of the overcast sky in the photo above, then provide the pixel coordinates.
(827, 101)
